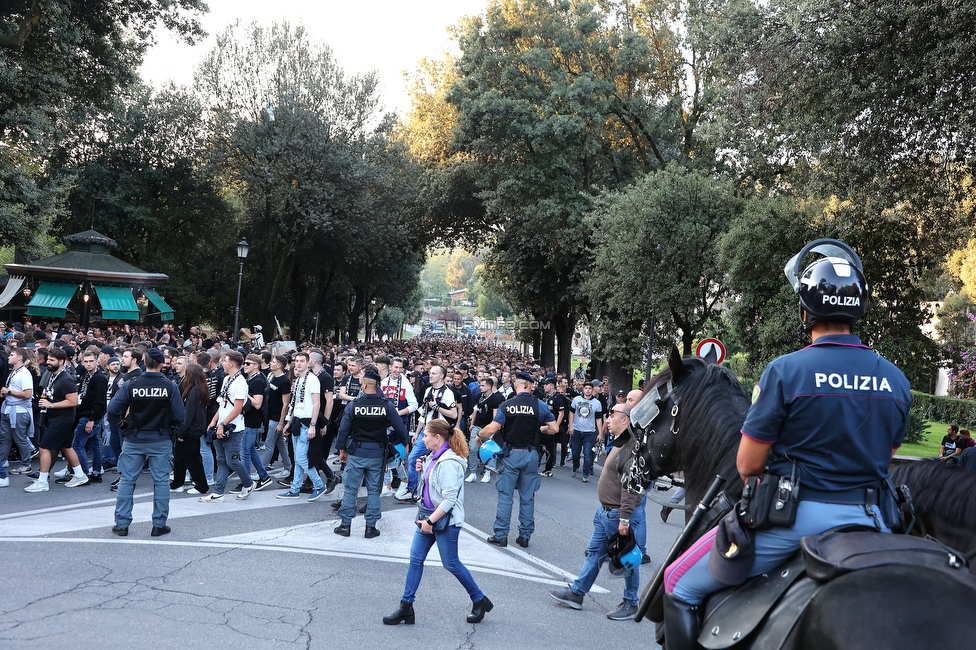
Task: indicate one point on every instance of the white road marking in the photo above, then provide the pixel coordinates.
(397, 530)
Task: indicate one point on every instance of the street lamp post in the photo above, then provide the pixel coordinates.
(242, 249)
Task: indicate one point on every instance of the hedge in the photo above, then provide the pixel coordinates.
(945, 409)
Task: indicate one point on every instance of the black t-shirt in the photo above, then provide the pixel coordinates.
(279, 386)
(253, 418)
(486, 408)
(58, 389)
(557, 404)
(327, 384)
(951, 445)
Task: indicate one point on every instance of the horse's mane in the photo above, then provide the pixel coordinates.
(940, 489)
(712, 409)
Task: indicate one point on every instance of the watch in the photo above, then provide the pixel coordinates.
(625, 522)
(429, 522)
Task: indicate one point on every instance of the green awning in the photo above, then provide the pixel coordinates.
(117, 303)
(165, 311)
(51, 299)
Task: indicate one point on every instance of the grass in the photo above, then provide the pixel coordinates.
(934, 431)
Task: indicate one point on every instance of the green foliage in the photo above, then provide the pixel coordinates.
(955, 328)
(460, 268)
(59, 61)
(915, 434)
(326, 194)
(147, 176)
(388, 322)
(945, 409)
(961, 265)
(435, 273)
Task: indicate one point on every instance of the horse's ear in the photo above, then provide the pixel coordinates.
(712, 355)
(678, 371)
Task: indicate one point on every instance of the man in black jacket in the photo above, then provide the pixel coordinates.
(92, 389)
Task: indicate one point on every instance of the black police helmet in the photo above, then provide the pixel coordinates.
(620, 551)
(832, 288)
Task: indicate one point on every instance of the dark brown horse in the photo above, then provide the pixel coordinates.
(697, 412)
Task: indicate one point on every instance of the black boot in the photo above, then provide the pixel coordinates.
(681, 624)
(479, 609)
(403, 615)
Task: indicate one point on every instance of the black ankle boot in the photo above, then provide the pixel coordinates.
(479, 609)
(681, 624)
(403, 615)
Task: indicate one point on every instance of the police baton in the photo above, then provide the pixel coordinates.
(656, 583)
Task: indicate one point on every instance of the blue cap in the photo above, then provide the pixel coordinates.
(369, 374)
(156, 355)
(524, 376)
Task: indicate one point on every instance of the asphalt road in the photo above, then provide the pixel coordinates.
(269, 573)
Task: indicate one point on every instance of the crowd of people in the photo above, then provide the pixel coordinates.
(266, 414)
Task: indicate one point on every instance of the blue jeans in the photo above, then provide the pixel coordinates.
(605, 525)
(92, 440)
(301, 464)
(413, 479)
(229, 460)
(115, 440)
(109, 455)
(206, 453)
(520, 469)
(250, 453)
(689, 579)
(352, 478)
(638, 521)
(447, 547)
(133, 457)
(274, 440)
(583, 441)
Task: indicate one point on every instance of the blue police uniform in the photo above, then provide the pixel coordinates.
(363, 434)
(520, 418)
(837, 409)
(155, 406)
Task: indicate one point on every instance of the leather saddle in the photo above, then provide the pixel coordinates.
(761, 613)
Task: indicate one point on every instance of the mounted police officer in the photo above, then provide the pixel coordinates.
(362, 443)
(155, 408)
(518, 424)
(829, 416)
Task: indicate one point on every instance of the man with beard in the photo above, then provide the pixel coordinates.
(58, 403)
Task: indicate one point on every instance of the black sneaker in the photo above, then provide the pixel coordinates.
(260, 484)
(94, 478)
(235, 490)
(498, 541)
(342, 530)
(64, 479)
(331, 484)
(284, 482)
(522, 541)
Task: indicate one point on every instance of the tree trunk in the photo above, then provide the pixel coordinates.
(536, 344)
(299, 294)
(564, 326)
(548, 355)
(621, 376)
(357, 309)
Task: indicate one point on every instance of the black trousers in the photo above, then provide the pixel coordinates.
(186, 456)
(549, 442)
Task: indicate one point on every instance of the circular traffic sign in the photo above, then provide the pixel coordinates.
(713, 346)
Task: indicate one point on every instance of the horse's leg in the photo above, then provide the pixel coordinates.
(893, 607)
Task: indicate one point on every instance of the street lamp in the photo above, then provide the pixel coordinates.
(242, 249)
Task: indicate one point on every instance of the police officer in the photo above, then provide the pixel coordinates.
(519, 423)
(833, 413)
(362, 443)
(154, 407)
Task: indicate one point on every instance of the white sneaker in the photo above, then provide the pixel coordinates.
(487, 477)
(387, 491)
(61, 473)
(212, 498)
(38, 486)
(245, 491)
(472, 477)
(194, 491)
(4, 482)
(177, 489)
(402, 492)
(77, 480)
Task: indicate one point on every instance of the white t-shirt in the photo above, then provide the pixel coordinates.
(444, 395)
(237, 390)
(19, 380)
(302, 391)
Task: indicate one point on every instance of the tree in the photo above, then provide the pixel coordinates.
(460, 267)
(143, 187)
(667, 264)
(326, 194)
(62, 59)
